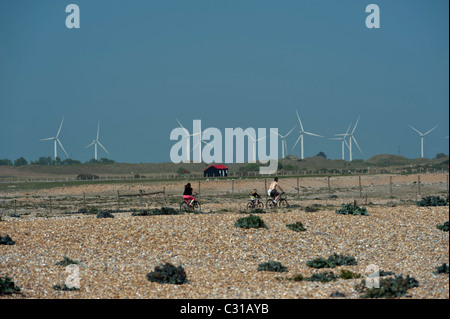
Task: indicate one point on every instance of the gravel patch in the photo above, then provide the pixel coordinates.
(221, 260)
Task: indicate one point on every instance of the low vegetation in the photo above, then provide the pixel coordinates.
(432, 201)
(352, 209)
(298, 226)
(443, 227)
(162, 211)
(168, 274)
(8, 287)
(332, 261)
(6, 240)
(392, 287)
(252, 221)
(442, 269)
(67, 261)
(272, 266)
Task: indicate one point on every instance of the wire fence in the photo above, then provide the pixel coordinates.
(217, 194)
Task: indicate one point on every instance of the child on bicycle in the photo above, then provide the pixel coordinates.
(255, 197)
(188, 194)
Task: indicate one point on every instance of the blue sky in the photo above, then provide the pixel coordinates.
(137, 66)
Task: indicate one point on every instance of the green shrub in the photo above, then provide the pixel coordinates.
(298, 226)
(443, 269)
(272, 266)
(332, 261)
(8, 287)
(432, 201)
(168, 274)
(347, 274)
(443, 227)
(105, 214)
(313, 208)
(6, 240)
(322, 277)
(252, 221)
(67, 261)
(393, 287)
(352, 209)
(154, 212)
(64, 288)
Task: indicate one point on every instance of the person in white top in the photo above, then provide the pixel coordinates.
(272, 192)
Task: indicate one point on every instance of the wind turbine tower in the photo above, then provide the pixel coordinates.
(57, 141)
(422, 137)
(300, 138)
(97, 142)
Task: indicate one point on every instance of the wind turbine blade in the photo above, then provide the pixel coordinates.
(278, 134)
(90, 145)
(48, 139)
(356, 125)
(98, 129)
(290, 132)
(297, 141)
(103, 147)
(62, 148)
(300, 121)
(415, 129)
(312, 134)
(60, 126)
(430, 130)
(346, 143)
(354, 139)
(336, 138)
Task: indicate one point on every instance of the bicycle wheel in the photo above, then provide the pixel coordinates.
(260, 205)
(196, 207)
(183, 207)
(270, 203)
(250, 206)
(283, 203)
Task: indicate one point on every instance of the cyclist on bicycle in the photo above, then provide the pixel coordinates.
(272, 192)
(255, 197)
(187, 194)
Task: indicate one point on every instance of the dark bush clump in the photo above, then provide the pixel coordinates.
(298, 226)
(352, 209)
(105, 214)
(443, 269)
(432, 201)
(443, 227)
(252, 221)
(332, 261)
(347, 274)
(8, 287)
(393, 287)
(66, 262)
(6, 240)
(272, 266)
(162, 211)
(168, 274)
(313, 208)
(64, 288)
(322, 277)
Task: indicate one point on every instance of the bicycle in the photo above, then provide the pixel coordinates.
(282, 202)
(195, 207)
(253, 204)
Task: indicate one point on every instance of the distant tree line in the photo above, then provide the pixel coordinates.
(47, 160)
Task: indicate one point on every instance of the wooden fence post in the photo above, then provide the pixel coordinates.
(390, 185)
(164, 190)
(118, 201)
(360, 187)
(418, 185)
(329, 187)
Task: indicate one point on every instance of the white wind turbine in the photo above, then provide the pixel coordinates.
(57, 141)
(254, 144)
(97, 142)
(284, 148)
(302, 133)
(343, 140)
(188, 142)
(352, 137)
(422, 137)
